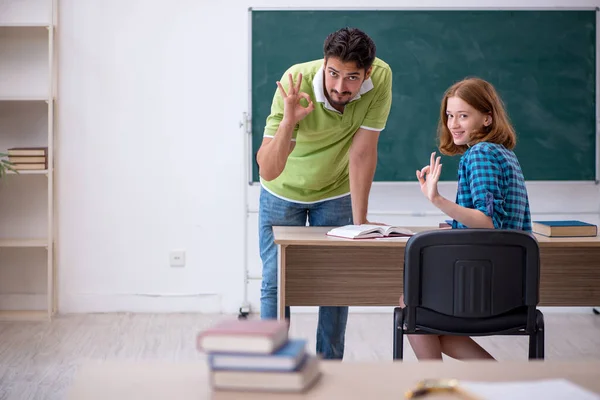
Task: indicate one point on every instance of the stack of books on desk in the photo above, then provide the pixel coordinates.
(28, 158)
(257, 355)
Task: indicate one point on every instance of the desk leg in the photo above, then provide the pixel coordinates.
(280, 281)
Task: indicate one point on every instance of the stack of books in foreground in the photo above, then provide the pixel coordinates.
(257, 355)
(28, 158)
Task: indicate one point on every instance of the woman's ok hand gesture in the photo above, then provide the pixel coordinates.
(429, 176)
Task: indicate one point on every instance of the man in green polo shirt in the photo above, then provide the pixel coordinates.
(319, 154)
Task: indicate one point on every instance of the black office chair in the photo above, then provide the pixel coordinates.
(471, 282)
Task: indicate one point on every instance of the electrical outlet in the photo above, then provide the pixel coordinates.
(177, 258)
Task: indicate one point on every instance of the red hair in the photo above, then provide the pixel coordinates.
(482, 96)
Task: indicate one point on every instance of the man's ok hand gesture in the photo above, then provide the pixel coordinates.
(293, 111)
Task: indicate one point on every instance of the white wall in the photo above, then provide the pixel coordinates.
(151, 157)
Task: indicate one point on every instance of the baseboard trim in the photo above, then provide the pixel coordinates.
(141, 303)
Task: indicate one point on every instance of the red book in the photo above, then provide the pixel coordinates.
(244, 336)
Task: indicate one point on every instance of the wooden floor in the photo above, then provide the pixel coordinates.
(38, 359)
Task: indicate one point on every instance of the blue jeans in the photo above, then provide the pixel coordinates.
(273, 211)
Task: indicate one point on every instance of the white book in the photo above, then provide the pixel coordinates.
(368, 231)
(298, 380)
(547, 389)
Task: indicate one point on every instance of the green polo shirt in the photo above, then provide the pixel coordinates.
(318, 169)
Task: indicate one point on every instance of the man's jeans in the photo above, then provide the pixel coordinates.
(274, 211)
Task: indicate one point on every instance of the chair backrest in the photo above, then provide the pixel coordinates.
(472, 273)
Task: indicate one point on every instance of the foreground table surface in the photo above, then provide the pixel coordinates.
(147, 380)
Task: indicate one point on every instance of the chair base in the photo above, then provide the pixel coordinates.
(536, 339)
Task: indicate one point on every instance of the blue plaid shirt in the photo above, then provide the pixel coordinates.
(490, 180)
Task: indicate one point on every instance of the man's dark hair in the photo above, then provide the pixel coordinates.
(350, 44)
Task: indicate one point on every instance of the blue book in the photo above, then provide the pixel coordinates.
(301, 379)
(287, 358)
(564, 228)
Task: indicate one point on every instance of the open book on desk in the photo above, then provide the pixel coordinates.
(368, 231)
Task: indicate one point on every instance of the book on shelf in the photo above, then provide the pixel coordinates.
(26, 159)
(244, 336)
(28, 151)
(564, 228)
(368, 231)
(29, 167)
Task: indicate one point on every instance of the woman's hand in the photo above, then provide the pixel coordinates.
(429, 176)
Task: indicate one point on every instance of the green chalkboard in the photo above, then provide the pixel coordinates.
(542, 62)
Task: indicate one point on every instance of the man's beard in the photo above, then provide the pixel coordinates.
(339, 103)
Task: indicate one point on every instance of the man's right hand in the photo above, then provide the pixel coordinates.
(293, 111)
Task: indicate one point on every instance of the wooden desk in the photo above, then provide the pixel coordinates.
(131, 380)
(318, 270)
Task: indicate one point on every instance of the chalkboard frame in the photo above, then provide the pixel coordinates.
(246, 122)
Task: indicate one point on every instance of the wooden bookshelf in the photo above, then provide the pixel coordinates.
(27, 110)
